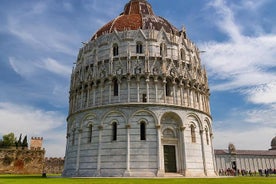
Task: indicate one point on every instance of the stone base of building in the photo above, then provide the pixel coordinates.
(136, 173)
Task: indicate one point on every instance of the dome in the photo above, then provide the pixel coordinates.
(138, 14)
(273, 143)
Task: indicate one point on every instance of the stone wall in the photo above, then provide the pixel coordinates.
(54, 165)
(21, 161)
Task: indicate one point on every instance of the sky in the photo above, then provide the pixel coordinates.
(40, 39)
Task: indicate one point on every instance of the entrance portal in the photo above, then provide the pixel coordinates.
(169, 158)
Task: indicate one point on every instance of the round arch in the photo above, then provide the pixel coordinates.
(110, 112)
(150, 112)
(191, 117)
(87, 118)
(209, 126)
(174, 116)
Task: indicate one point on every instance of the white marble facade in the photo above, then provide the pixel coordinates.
(139, 106)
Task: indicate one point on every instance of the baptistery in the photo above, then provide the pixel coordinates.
(139, 102)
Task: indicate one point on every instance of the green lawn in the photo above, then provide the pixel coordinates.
(6, 179)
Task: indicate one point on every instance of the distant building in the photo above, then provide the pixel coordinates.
(248, 160)
(36, 143)
(139, 101)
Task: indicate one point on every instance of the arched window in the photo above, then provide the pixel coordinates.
(90, 129)
(115, 87)
(168, 88)
(139, 48)
(193, 135)
(207, 136)
(182, 54)
(142, 130)
(115, 50)
(114, 131)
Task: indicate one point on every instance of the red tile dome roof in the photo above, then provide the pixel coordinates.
(138, 14)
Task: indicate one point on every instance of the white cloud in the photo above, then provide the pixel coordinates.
(42, 36)
(263, 94)
(264, 116)
(242, 62)
(32, 121)
(252, 139)
(28, 69)
(226, 19)
(252, 4)
(32, 26)
(23, 68)
(54, 66)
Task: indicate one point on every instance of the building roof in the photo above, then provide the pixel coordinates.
(138, 14)
(248, 152)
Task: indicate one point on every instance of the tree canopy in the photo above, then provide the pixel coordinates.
(8, 140)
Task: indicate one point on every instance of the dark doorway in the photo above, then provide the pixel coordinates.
(169, 159)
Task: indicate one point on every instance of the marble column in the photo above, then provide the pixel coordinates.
(161, 170)
(100, 128)
(78, 152)
(203, 152)
(127, 171)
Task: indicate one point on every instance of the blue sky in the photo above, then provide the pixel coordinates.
(39, 42)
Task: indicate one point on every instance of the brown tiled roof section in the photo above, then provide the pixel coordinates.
(132, 22)
(249, 152)
(134, 8)
(138, 7)
(137, 14)
(104, 29)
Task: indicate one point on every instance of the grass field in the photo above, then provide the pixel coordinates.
(6, 179)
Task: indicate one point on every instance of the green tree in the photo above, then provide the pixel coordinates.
(25, 142)
(19, 142)
(8, 140)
